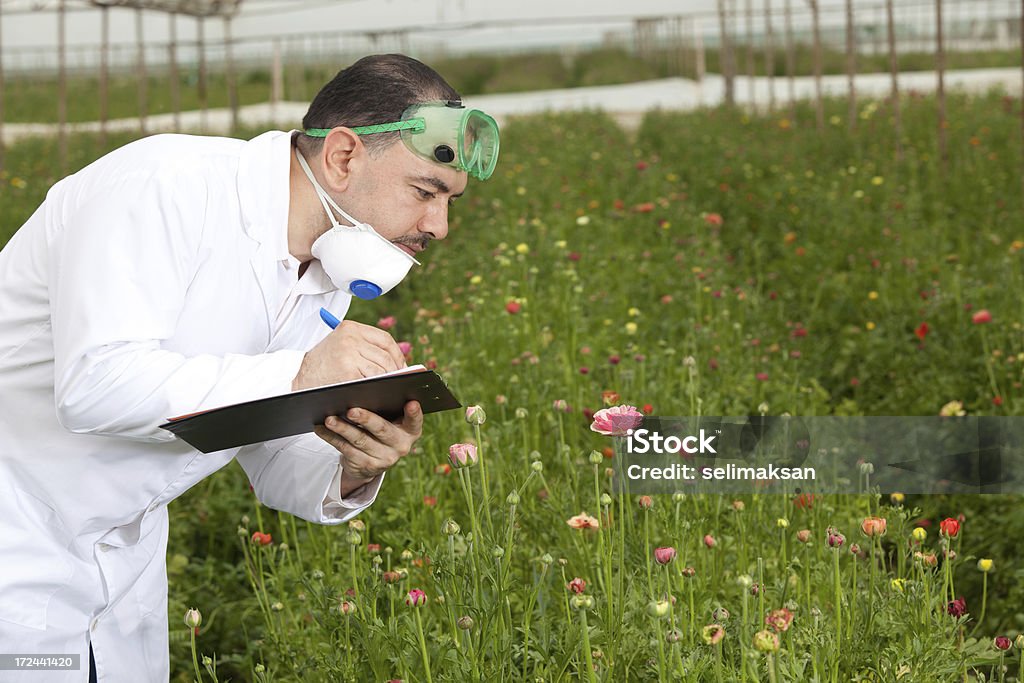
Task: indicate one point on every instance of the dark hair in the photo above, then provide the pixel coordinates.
(375, 89)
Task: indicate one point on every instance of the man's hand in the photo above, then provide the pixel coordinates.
(371, 445)
(352, 351)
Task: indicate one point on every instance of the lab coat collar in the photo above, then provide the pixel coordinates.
(264, 194)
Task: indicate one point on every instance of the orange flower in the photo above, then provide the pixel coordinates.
(873, 526)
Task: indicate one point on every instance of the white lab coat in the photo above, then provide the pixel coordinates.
(154, 282)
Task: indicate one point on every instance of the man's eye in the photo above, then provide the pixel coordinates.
(424, 194)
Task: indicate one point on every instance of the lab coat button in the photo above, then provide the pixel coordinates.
(104, 547)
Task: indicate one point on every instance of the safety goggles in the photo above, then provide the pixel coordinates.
(446, 133)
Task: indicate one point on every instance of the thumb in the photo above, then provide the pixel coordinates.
(413, 422)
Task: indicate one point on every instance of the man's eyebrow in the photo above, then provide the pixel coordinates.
(435, 183)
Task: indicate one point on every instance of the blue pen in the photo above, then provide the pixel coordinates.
(328, 318)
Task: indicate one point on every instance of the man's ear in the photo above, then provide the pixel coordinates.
(341, 148)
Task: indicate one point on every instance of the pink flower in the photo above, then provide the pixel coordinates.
(712, 634)
(664, 555)
(710, 541)
(462, 455)
(981, 317)
(416, 598)
(405, 347)
(873, 526)
(779, 620)
(583, 521)
(577, 585)
(713, 219)
(387, 322)
(513, 307)
(645, 502)
(803, 535)
(762, 376)
(957, 608)
(1002, 643)
(615, 421)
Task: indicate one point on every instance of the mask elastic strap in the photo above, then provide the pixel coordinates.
(325, 198)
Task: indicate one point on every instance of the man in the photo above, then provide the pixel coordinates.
(180, 273)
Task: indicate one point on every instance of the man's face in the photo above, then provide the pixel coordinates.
(404, 197)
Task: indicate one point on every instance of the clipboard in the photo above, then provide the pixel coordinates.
(298, 412)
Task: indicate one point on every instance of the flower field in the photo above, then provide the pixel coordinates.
(709, 264)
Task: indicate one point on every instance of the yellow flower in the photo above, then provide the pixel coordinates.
(475, 280)
(869, 325)
(919, 534)
(898, 584)
(782, 523)
(634, 312)
(520, 190)
(561, 244)
(897, 498)
(877, 180)
(872, 295)
(522, 248)
(952, 409)
(18, 183)
(985, 565)
(583, 220)
(631, 327)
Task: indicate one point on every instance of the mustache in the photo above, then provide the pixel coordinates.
(420, 242)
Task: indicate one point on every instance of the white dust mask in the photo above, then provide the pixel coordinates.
(357, 258)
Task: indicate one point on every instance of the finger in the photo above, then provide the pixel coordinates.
(382, 430)
(382, 340)
(361, 440)
(378, 356)
(353, 459)
(412, 423)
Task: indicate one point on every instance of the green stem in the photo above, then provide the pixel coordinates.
(839, 616)
(423, 644)
(483, 478)
(195, 662)
(586, 647)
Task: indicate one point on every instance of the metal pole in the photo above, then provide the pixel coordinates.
(725, 56)
(940, 67)
(201, 47)
(141, 69)
(232, 84)
(172, 58)
(769, 51)
(790, 60)
(819, 106)
(851, 70)
(3, 146)
(62, 88)
(750, 52)
(894, 71)
(104, 73)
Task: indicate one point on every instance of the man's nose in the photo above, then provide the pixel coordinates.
(435, 221)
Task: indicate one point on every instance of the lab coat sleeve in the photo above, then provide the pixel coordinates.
(302, 475)
(121, 261)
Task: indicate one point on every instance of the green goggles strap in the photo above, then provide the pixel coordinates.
(415, 125)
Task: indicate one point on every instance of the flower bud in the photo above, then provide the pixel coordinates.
(416, 598)
(867, 468)
(512, 498)
(465, 623)
(712, 634)
(689, 572)
(678, 497)
(738, 505)
(347, 607)
(317, 575)
(277, 606)
(577, 585)
(522, 413)
(766, 641)
(475, 415)
(659, 608)
(450, 527)
(1002, 643)
(664, 555)
(245, 520)
(582, 601)
(377, 560)
(354, 538)
(462, 455)
(193, 618)
(674, 636)
(782, 523)
(606, 500)
(710, 541)
(498, 552)
(985, 565)
(804, 535)
(745, 580)
(537, 466)
(357, 525)
(645, 502)
(595, 458)
(547, 560)
(919, 534)
(720, 614)
(1018, 642)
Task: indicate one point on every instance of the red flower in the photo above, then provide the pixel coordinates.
(762, 376)
(1002, 643)
(949, 527)
(513, 307)
(648, 409)
(577, 585)
(997, 400)
(981, 317)
(922, 331)
(608, 452)
(614, 359)
(710, 541)
(714, 219)
(584, 370)
(805, 501)
(645, 502)
(641, 165)
(429, 501)
(646, 207)
(957, 608)
(261, 538)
